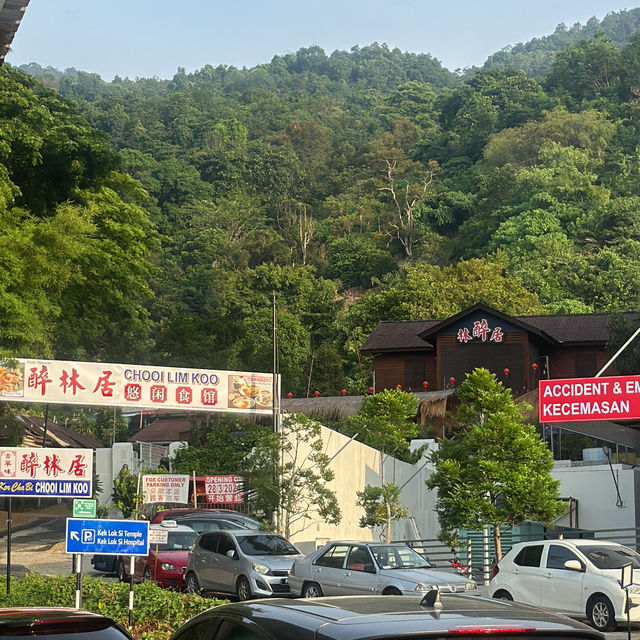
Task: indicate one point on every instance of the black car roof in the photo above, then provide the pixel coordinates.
(371, 617)
(53, 618)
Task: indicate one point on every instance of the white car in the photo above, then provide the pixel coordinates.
(364, 568)
(579, 578)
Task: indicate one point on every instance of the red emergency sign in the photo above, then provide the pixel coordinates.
(580, 399)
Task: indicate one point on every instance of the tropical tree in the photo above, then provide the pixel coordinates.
(125, 494)
(495, 470)
(381, 506)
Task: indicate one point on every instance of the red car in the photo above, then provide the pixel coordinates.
(167, 558)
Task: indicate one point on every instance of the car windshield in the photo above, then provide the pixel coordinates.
(398, 557)
(266, 545)
(610, 556)
(178, 541)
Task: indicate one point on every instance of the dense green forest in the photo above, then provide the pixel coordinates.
(155, 220)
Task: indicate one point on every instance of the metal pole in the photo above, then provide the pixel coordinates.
(9, 546)
(44, 432)
(485, 554)
(132, 568)
(618, 352)
(195, 497)
(78, 562)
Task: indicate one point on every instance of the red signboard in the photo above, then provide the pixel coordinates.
(580, 399)
(224, 489)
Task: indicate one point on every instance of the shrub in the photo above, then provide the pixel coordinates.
(157, 612)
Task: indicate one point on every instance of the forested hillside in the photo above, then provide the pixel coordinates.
(154, 221)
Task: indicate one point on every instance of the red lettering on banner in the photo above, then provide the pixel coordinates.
(464, 335)
(209, 397)
(51, 465)
(184, 395)
(39, 379)
(132, 392)
(29, 463)
(70, 382)
(105, 385)
(158, 393)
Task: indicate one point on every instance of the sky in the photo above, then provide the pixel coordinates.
(152, 38)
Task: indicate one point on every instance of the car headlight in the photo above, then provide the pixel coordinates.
(634, 588)
(167, 566)
(423, 587)
(470, 586)
(260, 568)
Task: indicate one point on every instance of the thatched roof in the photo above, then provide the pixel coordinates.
(337, 408)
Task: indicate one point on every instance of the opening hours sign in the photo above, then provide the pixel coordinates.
(127, 385)
(581, 399)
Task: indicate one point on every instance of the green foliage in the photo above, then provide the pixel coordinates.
(381, 506)
(157, 612)
(303, 475)
(125, 494)
(387, 422)
(496, 469)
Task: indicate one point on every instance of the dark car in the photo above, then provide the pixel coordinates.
(181, 515)
(59, 623)
(381, 617)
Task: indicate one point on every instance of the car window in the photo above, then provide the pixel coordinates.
(529, 556)
(398, 557)
(178, 541)
(334, 556)
(209, 542)
(226, 544)
(266, 544)
(234, 631)
(200, 631)
(610, 556)
(360, 560)
(558, 555)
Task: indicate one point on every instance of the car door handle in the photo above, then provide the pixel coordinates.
(316, 570)
(347, 573)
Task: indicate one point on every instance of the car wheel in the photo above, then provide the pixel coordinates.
(243, 589)
(193, 586)
(312, 590)
(392, 591)
(122, 574)
(601, 614)
(146, 574)
(503, 595)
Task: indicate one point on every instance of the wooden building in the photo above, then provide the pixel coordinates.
(518, 349)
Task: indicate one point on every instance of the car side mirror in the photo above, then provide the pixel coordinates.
(231, 553)
(573, 565)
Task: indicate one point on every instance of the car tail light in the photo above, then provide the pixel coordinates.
(495, 570)
(460, 631)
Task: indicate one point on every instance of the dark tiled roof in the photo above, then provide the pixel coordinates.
(11, 12)
(567, 329)
(57, 436)
(165, 430)
(390, 336)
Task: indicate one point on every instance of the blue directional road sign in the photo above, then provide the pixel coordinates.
(108, 537)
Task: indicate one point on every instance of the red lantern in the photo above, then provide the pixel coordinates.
(343, 392)
(507, 372)
(398, 386)
(425, 384)
(452, 380)
(316, 393)
(371, 389)
(534, 366)
(289, 395)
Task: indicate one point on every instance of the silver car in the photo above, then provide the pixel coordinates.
(361, 568)
(245, 563)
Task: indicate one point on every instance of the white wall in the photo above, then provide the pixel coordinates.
(356, 466)
(595, 490)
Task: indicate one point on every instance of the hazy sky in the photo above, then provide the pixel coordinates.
(144, 38)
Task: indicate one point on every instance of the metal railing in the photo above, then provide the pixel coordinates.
(476, 549)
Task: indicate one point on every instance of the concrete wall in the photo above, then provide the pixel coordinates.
(355, 466)
(108, 464)
(598, 503)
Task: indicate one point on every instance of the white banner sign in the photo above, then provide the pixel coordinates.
(158, 536)
(46, 473)
(126, 385)
(224, 489)
(165, 488)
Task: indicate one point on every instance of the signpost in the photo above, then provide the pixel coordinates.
(108, 537)
(84, 508)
